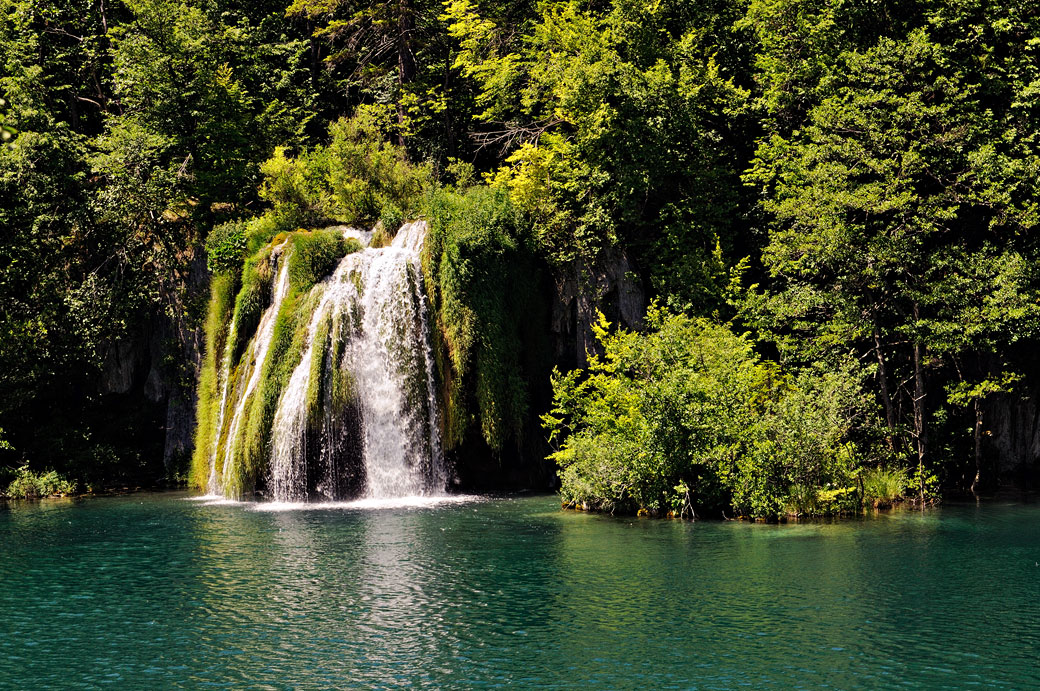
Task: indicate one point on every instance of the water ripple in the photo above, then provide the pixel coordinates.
(153, 591)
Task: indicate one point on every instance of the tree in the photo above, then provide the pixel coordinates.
(619, 127)
(896, 190)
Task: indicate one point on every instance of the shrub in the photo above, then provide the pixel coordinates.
(357, 177)
(392, 218)
(260, 231)
(367, 173)
(297, 188)
(225, 246)
(315, 254)
(30, 485)
(686, 417)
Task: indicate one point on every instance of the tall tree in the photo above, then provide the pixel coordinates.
(894, 196)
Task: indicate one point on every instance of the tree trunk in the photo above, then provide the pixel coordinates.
(978, 445)
(886, 398)
(405, 58)
(920, 432)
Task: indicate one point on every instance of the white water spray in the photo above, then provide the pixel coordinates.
(358, 417)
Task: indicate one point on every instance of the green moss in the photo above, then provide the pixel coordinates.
(482, 277)
(252, 299)
(316, 381)
(315, 254)
(342, 389)
(252, 445)
(311, 255)
(222, 291)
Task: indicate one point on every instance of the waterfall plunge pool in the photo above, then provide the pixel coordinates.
(362, 504)
(153, 591)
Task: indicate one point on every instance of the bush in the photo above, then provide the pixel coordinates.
(392, 218)
(315, 254)
(380, 238)
(687, 418)
(297, 188)
(367, 173)
(30, 485)
(357, 177)
(225, 247)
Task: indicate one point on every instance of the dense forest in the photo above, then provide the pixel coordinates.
(755, 257)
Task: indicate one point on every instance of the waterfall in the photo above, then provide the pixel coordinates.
(256, 355)
(357, 417)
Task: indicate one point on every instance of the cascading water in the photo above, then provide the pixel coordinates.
(358, 415)
(256, 355)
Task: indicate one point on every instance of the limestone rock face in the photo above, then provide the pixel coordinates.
(610, 285)
(124, 360)
(158, 364)
(1011, 447)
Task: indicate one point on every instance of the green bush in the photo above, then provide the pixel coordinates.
(315, 254)
(392, 218)
(367, 173)
(355, 179)
(297, 188)
(31, 485)
(225, 246)
(687, 418)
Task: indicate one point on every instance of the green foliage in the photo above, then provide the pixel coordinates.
(296, 187)
(687, 418)
(899, 207)
(483, 283)
(30, 485)
(225, 246)
(367, 173)
(887, 216)
(353, 179)
(314, 255)
(883, 486)
(391, 218)
(617, 120)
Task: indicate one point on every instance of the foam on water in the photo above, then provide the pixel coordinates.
(370, 504)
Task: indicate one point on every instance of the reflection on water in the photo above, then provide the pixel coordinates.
(152, 590)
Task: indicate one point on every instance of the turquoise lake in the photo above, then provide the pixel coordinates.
(159, 591)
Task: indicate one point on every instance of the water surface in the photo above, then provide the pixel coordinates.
(156, 590)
